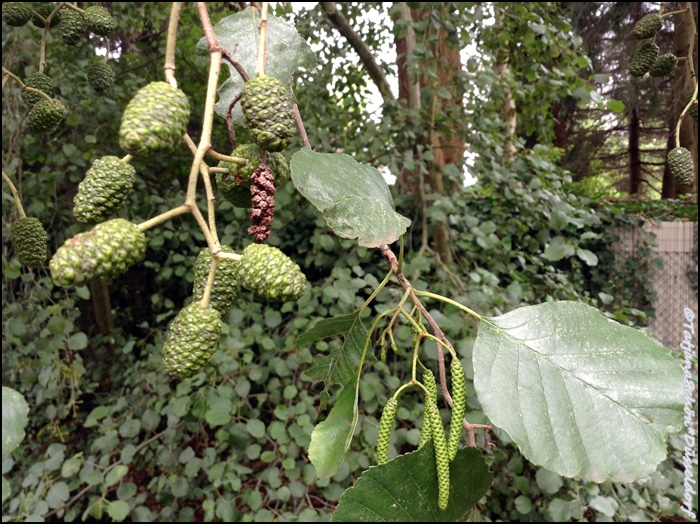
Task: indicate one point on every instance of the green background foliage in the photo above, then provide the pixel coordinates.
(111, 437)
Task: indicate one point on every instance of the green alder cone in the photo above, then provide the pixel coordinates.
(99, 21)
(680, 163)
(191, 341)
(235, 185)
(268, 272)
(100, 77)
(268, 112)
(693, 108)
(73, 26)
(225, 286)
(154, 120)
(45, 9)
(45, 116)
(644, 59)
(384, 432)
(426, 433)
(459, 407)
(38, 81)
(441, 456)
(648, 26)
(16, 14)
(664, 65)
(29, 240)
(104, 189)
(105, 252)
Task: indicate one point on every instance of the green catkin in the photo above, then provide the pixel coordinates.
(430, 384)
(384, 433)
(459, 407)
(441, 456)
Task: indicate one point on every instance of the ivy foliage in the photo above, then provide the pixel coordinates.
(110, 436)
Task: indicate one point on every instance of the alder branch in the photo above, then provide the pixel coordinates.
(370, 64)
(391, 259)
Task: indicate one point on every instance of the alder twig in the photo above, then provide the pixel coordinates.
(390, 257)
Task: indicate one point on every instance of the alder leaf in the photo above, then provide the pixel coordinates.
(354, 198)
(580, 394)
(405, 489)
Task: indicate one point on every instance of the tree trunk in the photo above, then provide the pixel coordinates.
(447, 146)
(635, 158)
(102, 306)
(508, 112)
(683, 36)
(408, 180)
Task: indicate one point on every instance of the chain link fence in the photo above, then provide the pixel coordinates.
(676, 284)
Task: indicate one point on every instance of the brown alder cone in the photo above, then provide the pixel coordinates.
(262, 190)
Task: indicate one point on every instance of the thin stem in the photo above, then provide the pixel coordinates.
(449, 301)
(227, 158)
(399, 307)
(107, 50)
(44, 36)
(23, 86)
(411, 383)
(171, 43)
(204, 302)
(682, 115)
(229, 121)
(127, 159)
(148, 224)
(230, 256)
(300, 127)
(383, 283)
(262, 45)
(237, 66)
(368, 340)
(211, 201)
(197, 214)
(15, 195)
(664, 15)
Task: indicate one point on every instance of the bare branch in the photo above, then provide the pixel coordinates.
(375, 72)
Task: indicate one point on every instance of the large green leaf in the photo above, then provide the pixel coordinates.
(331, 438)
(580, 394)
(354, 198)
(287, 51)
(14, 419)
(405, 489)
(341, 365)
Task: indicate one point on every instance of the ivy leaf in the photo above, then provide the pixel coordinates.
(616, 106)
(557, 249)
(14, 419)
(287, 51)
(580, 394)
(589, 257)
(331, 438)
(118, 509)
(354, 198)
(406, 489)
(341, 365)
(6, 489)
